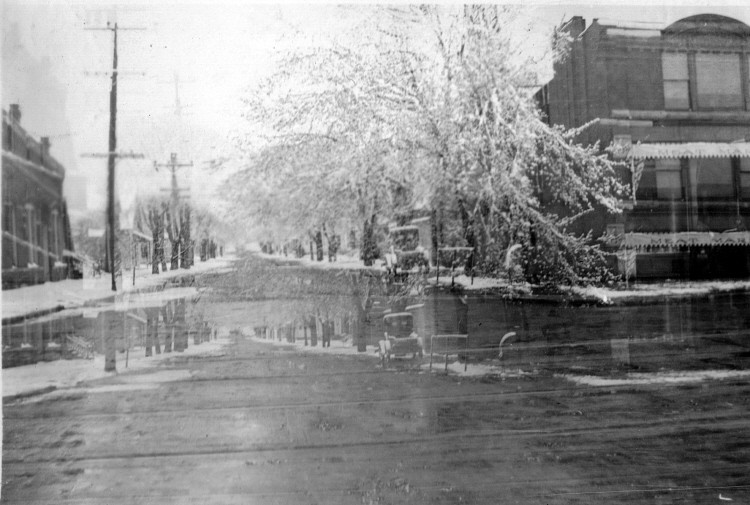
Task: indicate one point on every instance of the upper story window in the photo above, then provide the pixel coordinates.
(716, 81)
(676, 81)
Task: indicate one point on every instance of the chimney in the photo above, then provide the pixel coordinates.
(44, 141)
(15, 112)
(575, 26)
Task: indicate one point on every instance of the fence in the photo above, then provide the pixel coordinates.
(457, 344)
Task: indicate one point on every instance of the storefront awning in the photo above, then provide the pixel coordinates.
(690, 150)
(685, 239)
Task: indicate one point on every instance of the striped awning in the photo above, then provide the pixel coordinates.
(690, 150)
(685, 239)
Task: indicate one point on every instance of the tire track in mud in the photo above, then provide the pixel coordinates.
(77, 393)
(657, 428)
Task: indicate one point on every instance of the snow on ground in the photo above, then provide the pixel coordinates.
(476, 369)
(71, 293)
(342, 347)
(605, 295)
(343, 262)
(67, 373)
(662, 289)
(661, 378)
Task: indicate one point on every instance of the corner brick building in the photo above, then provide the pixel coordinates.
(37, 244)
(674, 105)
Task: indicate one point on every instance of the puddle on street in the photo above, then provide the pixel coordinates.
(316, 308)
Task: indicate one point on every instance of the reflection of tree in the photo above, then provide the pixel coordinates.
(167, 315)
(152, 330)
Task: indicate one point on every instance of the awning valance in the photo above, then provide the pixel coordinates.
(690, 150)
(685, 239)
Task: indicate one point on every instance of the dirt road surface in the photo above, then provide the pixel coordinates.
(270, 425)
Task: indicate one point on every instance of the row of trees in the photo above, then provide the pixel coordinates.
(425, 109)
(184, 225)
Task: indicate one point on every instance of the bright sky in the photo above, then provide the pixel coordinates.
(216, 51)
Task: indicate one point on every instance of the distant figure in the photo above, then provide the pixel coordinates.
(333, 247)
(327, 333)
(97, 268)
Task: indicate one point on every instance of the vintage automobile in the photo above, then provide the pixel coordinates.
(400, 339)
(405, 251)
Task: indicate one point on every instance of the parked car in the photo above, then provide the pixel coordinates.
(405, 251)
(400, 338)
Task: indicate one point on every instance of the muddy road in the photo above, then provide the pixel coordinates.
(267, 423)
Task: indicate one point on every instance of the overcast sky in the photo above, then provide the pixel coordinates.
(216, 52)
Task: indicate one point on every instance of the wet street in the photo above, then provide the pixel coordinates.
(268, 421)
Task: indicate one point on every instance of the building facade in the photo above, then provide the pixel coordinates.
(674, 106)
(37, 244)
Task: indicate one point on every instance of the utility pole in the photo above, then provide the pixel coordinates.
(173, 165)
(112, 154)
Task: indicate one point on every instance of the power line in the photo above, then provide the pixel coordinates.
(112, 154)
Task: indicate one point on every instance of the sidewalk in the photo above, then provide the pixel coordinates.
(33, 301)
(45, 377)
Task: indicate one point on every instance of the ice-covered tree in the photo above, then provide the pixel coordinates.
(428, 106)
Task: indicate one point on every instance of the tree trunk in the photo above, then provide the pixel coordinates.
(175, 255)
(186, 247)
(156, 233)
(152, 331)
(167, 316)
(180, 326)
(369, 247)
(319, 245)
(312, 322)
(467, 222)
(434, 237)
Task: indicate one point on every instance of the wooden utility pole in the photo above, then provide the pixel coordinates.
(112, 154)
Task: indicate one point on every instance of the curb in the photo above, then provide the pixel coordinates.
(27, 394)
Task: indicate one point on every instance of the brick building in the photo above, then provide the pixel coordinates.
(37, 244)
(674, 105)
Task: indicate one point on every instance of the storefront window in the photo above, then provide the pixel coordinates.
(745, 178)
(660, 180)
(718, 82)
(668, 180)
(646, 189)
(714, 178)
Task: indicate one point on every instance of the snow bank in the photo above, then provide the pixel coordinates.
(71, 293)
(475, 369)
(342, 347)
(662, 289)
(68, 373)
(343, 262)
(661, 378)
